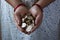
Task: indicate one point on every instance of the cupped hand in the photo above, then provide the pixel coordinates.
(18, 14)
(38, 14)
(21, 11)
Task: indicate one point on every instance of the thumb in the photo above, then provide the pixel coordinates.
(38, 21)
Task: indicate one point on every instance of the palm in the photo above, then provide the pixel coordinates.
(18, 14)
(37, 13)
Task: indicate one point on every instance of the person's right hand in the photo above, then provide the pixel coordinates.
(19, 12)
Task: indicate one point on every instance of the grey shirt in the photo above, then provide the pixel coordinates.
(48, 30)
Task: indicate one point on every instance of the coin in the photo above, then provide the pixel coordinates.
(28, 22)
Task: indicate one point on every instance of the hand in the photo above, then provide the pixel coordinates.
(18, 14)
(38, 14)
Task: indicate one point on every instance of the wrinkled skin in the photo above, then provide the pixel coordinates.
(21, 11)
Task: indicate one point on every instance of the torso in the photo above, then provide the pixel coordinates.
(29, 3)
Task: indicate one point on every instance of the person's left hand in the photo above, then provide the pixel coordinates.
(38, 14)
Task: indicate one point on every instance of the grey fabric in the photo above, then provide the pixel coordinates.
(48, 30)
(0, 15)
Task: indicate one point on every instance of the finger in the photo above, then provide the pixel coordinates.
(17, 19)
(21, 29)
(38, 21)
(33, 29)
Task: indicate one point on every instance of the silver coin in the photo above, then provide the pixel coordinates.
(28, 22)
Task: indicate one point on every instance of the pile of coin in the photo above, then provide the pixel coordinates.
(28, 22)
